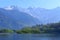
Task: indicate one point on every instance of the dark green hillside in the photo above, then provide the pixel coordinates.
(38, 29)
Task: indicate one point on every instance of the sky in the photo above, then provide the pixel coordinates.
(48, 4)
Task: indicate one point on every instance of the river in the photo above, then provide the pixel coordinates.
(29, 37)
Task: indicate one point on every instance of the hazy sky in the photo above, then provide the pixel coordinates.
(31, 3)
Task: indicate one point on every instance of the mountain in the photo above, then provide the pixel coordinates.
(46, 15)
(12, 18)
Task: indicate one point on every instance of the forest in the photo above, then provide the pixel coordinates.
(36, 29)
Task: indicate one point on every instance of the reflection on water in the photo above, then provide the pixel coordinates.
(30, 37)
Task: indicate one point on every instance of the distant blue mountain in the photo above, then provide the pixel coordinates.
(46, 15)
(15, 19)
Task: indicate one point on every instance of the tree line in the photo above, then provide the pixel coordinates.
(36, 29)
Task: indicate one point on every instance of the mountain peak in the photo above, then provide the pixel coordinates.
(10, 7)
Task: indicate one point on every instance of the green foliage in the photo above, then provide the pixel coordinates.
(48, 28)
(28, 30)
(25, 30)
(6, 31)
(37, 29)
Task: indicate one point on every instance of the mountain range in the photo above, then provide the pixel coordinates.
(45, 15)
(13, 17)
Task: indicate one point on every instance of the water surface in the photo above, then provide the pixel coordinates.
(29, 37)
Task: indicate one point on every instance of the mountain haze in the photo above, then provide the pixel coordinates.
(46, 15)
(12, 18)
